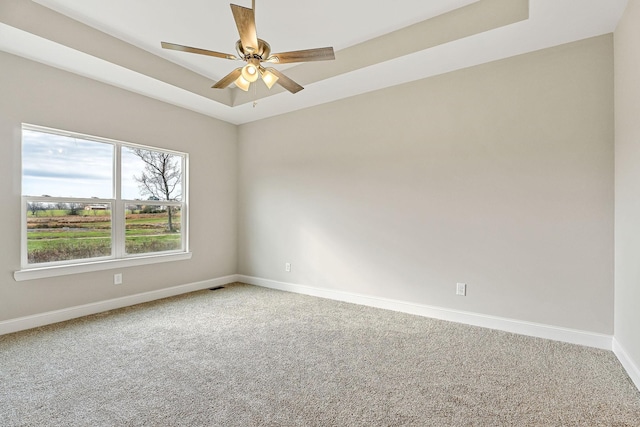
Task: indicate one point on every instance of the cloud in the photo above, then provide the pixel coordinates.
(62, 166)
(65, 174)
(67, 166)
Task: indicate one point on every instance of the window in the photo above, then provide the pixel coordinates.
(87, 199)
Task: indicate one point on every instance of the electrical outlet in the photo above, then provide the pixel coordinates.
(461, 289)
(287, 267)
(117, 279)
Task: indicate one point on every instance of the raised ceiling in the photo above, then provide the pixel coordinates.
(378, 44)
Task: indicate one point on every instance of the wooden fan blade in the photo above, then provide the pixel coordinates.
(319, 54)
(286, 82)
(228, 79)
(190, 49)
(246, 23)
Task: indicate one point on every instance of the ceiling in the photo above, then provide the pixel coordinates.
(377, 44)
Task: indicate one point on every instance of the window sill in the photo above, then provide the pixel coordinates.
(63, 270)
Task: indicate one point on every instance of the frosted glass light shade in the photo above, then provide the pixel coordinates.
(269, 78)
(242, 83)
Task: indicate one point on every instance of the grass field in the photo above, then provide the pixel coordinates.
(65, 212)
(56, 236)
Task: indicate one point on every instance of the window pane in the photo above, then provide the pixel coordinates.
(63, 166)
(151, 175)
(67, 230)
(152, 228)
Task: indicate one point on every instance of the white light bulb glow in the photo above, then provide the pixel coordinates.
(250, 73)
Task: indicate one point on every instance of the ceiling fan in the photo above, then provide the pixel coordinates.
(254, 52)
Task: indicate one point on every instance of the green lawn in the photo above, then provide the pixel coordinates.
(74, 238)
(159, 243)
(66, 249)
(65, 212)
(65, 235)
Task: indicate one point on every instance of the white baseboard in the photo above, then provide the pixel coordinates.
(632, 369)
(47, 318)
(538, 330)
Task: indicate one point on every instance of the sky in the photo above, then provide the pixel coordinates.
(63, 166)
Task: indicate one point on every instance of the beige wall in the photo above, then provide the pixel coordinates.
(500, 176)
(37, 94)
(627, 177)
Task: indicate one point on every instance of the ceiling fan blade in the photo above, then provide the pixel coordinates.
(190, 49)
(228, 79)
(246, 22)
(319, 54)
(286, 82)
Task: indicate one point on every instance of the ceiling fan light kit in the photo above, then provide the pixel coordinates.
(250, 71)
(254, 52)
(242, 83)
(268, 77)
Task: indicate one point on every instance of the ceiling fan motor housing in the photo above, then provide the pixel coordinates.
(263, 52)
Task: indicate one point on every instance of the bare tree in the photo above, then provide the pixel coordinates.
(161, 178)
(35, 207)
(74, 208)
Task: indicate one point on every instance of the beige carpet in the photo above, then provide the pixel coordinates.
(248, 356)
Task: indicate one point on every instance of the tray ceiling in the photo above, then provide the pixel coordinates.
(377, 44)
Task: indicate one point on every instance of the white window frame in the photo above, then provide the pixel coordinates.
(118, 257)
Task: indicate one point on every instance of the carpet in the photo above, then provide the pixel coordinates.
(250, 356)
